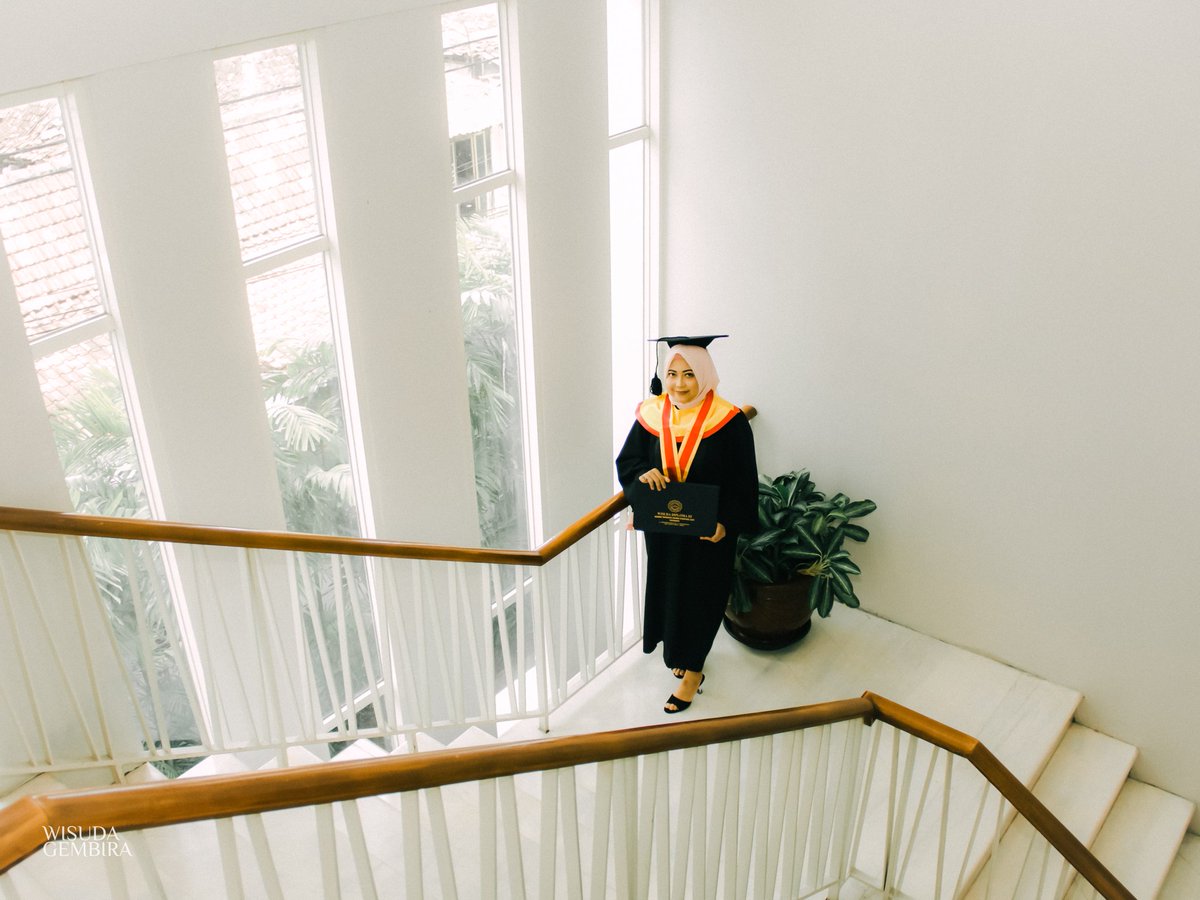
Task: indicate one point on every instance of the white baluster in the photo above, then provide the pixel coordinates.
(230, 866)
(144, 857)
(366, 645)
(26, 674)
(789, 880)
(762, 817)
(822, 806)
(602, 821)
(491, 618)
(358, 849)
(89, 663)
(488, 872)
(420, 603)
(267, 709)
(943, 826)
(748, 815)
(343, 708)
(609, 598)
(966, 861)
(631, 821)
(591, 605)
(410, 820)
(485, 698)
(57, 653)
(310, 712)
(399, 659)
(541, 633)
(918, 815)
(511, 830)
(784, 786)
(262, 854)
(327, 850)
(118, 884)
(570, 833)
(506, 657)
(441, 842)
(147, 651)
(457, 665)
(868, 782)
(718, 819)
(200, 603)
(729, 840)
(849, 790)
(662, 826)
(547, 837)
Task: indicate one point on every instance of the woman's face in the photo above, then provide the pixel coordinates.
(680, 381)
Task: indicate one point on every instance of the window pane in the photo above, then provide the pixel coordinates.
(627, 241)
(474, 92)
(626, 66)
(82, 391)
(42, 223)
(289, 307)
(491, 331)
(267, 145)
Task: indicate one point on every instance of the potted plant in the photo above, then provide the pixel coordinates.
(796, 565)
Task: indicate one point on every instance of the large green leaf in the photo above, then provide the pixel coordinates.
(855, 532)
(860, 509)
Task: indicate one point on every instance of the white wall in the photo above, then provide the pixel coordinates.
(956, 245)
(140, 74)
(152, 133)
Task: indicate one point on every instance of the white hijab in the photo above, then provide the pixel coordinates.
(698, 360)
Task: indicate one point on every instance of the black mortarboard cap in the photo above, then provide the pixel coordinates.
(697, 340)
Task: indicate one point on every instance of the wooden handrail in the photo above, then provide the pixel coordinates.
(43, 521)
(1009, 786)
(25, 825)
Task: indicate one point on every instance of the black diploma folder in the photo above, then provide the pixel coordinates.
(680, 508)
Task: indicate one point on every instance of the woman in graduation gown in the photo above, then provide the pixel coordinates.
(691, 434)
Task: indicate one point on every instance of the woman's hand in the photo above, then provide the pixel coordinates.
(717, 536)
(655, 479)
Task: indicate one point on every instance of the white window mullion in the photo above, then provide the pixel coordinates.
(72, 334)
(484, 185)
(256, 268)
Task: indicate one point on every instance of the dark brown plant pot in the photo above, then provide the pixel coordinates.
(778, 616)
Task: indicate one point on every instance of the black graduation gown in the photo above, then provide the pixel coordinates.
(688, 580)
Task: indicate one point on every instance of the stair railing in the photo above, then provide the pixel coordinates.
(784, 803)
(167, 640)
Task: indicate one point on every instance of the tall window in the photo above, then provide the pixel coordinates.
(630, 208)
(283, 228)
(483, 181)
(51, 243)
(284, 225)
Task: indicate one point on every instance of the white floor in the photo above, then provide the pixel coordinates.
(1020, 718)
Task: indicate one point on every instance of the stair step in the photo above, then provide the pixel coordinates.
(1140, 839)
(360, 749)
(1079, 787)
(1183, 880)
(145, 774)
(41, 784)
(217, 764)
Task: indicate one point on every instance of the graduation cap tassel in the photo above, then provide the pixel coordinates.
(656, 385)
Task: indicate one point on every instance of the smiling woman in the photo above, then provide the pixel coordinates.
(690, 435)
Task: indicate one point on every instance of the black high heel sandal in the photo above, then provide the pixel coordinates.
(681, 705)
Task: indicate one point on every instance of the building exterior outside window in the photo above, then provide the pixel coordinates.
(59, 271)
(484, 185)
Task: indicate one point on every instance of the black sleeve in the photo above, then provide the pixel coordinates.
(635, 460)
(739, 486)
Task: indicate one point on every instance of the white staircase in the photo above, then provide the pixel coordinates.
(1082, 776)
